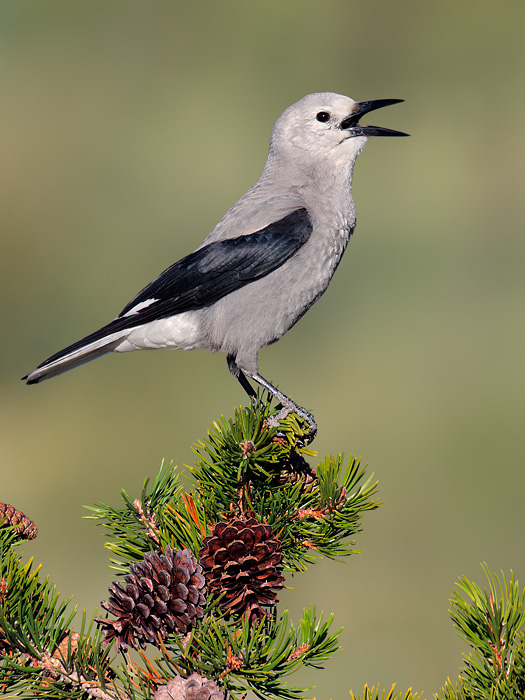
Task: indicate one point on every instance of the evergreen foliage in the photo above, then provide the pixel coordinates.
(286, 516)
(246, 472)
(491, 622)
(39, 654)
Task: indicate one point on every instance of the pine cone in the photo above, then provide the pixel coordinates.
(162, 594)
(26, 527)
(242, 560)
(193, 688)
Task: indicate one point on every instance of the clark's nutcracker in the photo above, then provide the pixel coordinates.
(267, 260)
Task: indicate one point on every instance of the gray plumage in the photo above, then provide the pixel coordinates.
(265, 263)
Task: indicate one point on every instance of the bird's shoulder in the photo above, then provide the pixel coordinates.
(254, 211)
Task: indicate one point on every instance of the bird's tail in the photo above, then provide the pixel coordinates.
(90, 347)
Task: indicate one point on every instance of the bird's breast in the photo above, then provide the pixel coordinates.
(264, 310)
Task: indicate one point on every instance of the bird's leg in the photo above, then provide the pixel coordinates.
(239, 374)
(288, 406)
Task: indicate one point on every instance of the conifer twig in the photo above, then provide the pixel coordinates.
(148, 520)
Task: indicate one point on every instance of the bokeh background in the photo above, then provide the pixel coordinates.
(127, 130)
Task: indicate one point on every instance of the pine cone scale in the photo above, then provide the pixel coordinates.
(163, 593)
(177, 606)
(222, 557)
(248, 537)
(160, 607)
(182, 590)
(238, 549)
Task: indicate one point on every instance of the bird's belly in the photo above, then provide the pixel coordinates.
(178, 331)
(264, 310)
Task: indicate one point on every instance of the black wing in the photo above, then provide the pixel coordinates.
(207, 275)
(210, 273)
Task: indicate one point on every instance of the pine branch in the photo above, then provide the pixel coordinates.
(492, 623)
(133, 529)
(252, 657)
(246, 473)
(201, 570)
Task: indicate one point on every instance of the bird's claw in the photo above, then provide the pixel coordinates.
(307, 438)
(310, 435)
(272, 422)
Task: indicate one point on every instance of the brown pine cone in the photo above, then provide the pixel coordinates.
(193, 688)
(26, 527)
(162, 594)
(242, 560)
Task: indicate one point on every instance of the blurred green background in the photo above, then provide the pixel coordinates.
(128, 129)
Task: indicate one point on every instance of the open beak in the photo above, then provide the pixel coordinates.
(351, 123)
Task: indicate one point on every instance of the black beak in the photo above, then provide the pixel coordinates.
(351, 123)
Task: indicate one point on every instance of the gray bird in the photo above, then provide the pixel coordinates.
(265, 263)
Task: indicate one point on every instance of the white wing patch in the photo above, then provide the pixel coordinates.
(138, 307)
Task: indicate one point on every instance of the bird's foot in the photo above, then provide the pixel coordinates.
(287, 405)
(307, 438)
(310, 435)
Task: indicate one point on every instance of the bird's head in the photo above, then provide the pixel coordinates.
(323, 126)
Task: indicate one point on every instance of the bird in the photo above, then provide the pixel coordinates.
(266, 262)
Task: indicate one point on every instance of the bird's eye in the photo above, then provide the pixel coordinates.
(322, 116)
